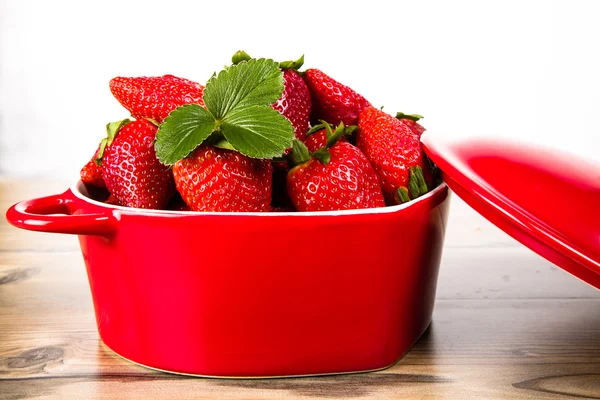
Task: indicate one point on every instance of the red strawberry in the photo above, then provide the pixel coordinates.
(339, 178)
(155, 97)
(332, 101)
(112, 200)
(213, 179)
(410, 120)
(295, 103)
(395, 152)
(132, 173)
(91, 173)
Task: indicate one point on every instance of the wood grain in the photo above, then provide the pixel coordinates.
(507, 325)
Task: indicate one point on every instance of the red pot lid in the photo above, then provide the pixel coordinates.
(546, 199)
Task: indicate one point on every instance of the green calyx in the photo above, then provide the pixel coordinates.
(416, 182)
(300, 153)
(333, 136)
(223, 144)
(238, 110)
(294, 65)
(323, 155)
(112, 128)
(417, 186)
(412, 117)
(315, 129)
(401, 195)
(240, 56)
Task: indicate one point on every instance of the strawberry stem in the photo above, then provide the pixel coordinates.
(412, 117)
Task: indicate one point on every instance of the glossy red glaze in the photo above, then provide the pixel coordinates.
(546, 199)
(234, 294)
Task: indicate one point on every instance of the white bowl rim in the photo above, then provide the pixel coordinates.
(380, 210)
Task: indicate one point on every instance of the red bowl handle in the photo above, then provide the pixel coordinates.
(40, 215)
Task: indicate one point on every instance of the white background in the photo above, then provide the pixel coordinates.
(528, 69)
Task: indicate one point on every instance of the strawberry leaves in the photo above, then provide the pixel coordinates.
(256, 131)
(238, 109)
(250, 83)
(182, 131)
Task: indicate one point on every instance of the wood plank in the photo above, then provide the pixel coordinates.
(394, 384)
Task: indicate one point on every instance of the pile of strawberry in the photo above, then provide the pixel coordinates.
(260, 136)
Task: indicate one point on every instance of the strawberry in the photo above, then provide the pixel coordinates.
(155, 97)
(410, 120)
(295, 102)
(395, 152)
(332, 101)
(91, 173)
(131, 171)
(336, 177)
(112, 200)
(213, 179)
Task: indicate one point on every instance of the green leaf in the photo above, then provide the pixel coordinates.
(247, 84)
(182, 131)
(258, 131)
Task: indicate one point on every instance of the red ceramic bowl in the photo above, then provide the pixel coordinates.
(254, 294)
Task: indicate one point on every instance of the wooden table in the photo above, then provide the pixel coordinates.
(507, 325)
